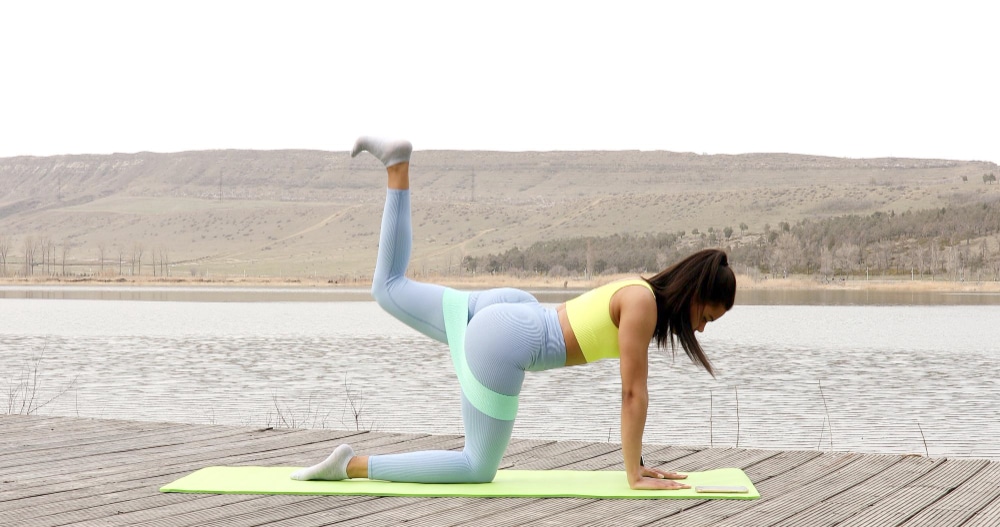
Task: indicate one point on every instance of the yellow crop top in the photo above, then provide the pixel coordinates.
(590, 317)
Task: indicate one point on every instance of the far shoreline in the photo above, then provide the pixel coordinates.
(744, 283)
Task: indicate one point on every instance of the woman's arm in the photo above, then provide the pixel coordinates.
(636, 323)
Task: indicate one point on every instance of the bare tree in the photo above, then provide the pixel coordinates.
(102, 248)
(826, 262)
(65, 253)
(43, 245)
(164, 263)
(996, 263)
(921, 260)
(4, 249)
(137, 250)
(788, 254)
(121, 258)
(52, 257)
(157, 256)
(29, 255)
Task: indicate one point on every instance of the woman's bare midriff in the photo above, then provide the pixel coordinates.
(574, 356)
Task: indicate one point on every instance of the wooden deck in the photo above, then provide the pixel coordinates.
(67, 471)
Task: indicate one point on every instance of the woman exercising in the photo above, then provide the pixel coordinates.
(498, 334)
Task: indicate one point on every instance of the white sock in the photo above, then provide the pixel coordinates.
(333, 468)
(388, 151)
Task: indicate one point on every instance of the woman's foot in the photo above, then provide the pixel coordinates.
(333, 468)
(389, 151)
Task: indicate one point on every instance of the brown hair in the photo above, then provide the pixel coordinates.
(704, 276)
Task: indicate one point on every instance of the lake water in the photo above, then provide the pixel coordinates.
(859, 371)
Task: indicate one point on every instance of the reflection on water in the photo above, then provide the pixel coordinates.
(864, 297)
(855, 376)
(187, 293)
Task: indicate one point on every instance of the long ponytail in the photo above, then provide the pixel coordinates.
(704, 276)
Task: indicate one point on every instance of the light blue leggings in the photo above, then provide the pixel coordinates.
(508, 333)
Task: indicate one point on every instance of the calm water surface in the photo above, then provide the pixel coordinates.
(893, 373)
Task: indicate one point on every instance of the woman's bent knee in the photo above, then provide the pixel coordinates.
(384, 291)
(482, 474)
(380, 292)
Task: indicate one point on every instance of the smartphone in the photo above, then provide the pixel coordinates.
(721, 488)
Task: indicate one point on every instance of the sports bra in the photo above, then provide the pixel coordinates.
(590, 318)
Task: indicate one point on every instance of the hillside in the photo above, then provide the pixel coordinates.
(315, 213)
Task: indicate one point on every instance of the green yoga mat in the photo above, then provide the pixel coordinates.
(507, 484)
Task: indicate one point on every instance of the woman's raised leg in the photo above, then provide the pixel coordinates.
(416, 304)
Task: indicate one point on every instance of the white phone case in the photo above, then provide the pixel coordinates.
(721, 488)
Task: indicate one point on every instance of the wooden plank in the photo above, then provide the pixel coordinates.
(940, 518)
(542, 453)
(616, 513)
(411, 512)
(233, 508)
(655, 457)
(988, 516)
(520, 446)
(94, 510)
(906, 472)
(21, 428)
(909, 499)
(13, 513)
(116, 458)
(141, 467)
(971, 496)
(178, 435)
(81, 438)
(285, 510)
(951, 473)
(779, 464)
(576, 455)
(503, 512)
(770, 512)
(13, 423)
(896, 508)
(868, 495)
(109, 454)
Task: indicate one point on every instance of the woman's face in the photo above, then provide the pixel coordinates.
(702, 314)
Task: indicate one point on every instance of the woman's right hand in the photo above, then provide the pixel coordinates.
(653, 479)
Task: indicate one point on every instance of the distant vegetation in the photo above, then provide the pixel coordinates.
(959, 243)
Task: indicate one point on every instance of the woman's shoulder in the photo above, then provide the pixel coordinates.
(610, 290)
(629, 282)
(635, 291)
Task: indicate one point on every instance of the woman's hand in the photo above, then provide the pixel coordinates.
(653, 479)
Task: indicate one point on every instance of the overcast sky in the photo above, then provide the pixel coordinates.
(845, 78)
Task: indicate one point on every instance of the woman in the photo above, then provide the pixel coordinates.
(498, 334)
